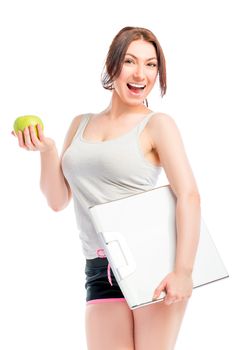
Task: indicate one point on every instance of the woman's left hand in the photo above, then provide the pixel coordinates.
(177, 285)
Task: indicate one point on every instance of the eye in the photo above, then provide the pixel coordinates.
(152, 65)
(128, 60)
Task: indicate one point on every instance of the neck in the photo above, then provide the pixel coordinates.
(117, 108)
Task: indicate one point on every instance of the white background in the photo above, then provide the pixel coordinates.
(52, 55)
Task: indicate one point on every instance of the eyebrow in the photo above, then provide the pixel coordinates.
(149, 59)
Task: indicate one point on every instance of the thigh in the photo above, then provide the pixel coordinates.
(109, 326)
(156, 326)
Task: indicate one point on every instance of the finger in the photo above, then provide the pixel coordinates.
(157, 293)
(158, 290)
(13, 133)
(21, 139)
(169, 297)
(40, 132)
(27, 139)
(35, 141)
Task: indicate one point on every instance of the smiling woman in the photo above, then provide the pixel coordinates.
(113, 154)
(138, 72)
(120, 54)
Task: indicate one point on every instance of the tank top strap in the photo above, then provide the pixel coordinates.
(144, 122)
(82, 125)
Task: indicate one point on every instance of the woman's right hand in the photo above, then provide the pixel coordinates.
(29, 140)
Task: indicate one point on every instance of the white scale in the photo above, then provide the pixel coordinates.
(138, 233)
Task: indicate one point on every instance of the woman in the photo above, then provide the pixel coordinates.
(112, 154)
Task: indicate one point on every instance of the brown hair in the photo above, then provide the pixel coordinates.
(118, 49)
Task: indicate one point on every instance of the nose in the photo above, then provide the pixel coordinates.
(139, 73)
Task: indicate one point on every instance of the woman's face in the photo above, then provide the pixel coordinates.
(138, 74)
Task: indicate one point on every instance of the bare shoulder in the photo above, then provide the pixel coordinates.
(74, 125)
(162, 126)
(71, 132)
(161, 118)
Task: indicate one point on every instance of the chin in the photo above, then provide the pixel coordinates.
(134, 103)
(130, 101)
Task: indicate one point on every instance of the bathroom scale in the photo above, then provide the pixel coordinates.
(138, 235)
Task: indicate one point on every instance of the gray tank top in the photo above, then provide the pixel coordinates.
(102, 171)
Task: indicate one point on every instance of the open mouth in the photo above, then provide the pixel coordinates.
(136, 88)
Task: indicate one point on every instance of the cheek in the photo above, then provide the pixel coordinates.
(123, 75)
(153, 77)
(120, 81)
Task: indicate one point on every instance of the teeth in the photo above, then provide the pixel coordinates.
(136, 85)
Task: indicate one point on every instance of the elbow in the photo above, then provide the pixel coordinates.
(59, 206)
(193, 196)
(54, 205)
(196, 196)
(195, 200)
(57, 202)
(56, 208)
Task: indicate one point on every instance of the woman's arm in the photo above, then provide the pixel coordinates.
(52, 182)
(169, 146)
(188, 231)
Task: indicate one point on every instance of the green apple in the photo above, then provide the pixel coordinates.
(22, 122)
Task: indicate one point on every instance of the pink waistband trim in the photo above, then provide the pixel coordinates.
(97, 301)
(101, 254)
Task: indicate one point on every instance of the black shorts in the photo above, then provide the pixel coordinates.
(97, 284)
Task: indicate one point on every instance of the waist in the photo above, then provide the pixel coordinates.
(97, 262)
